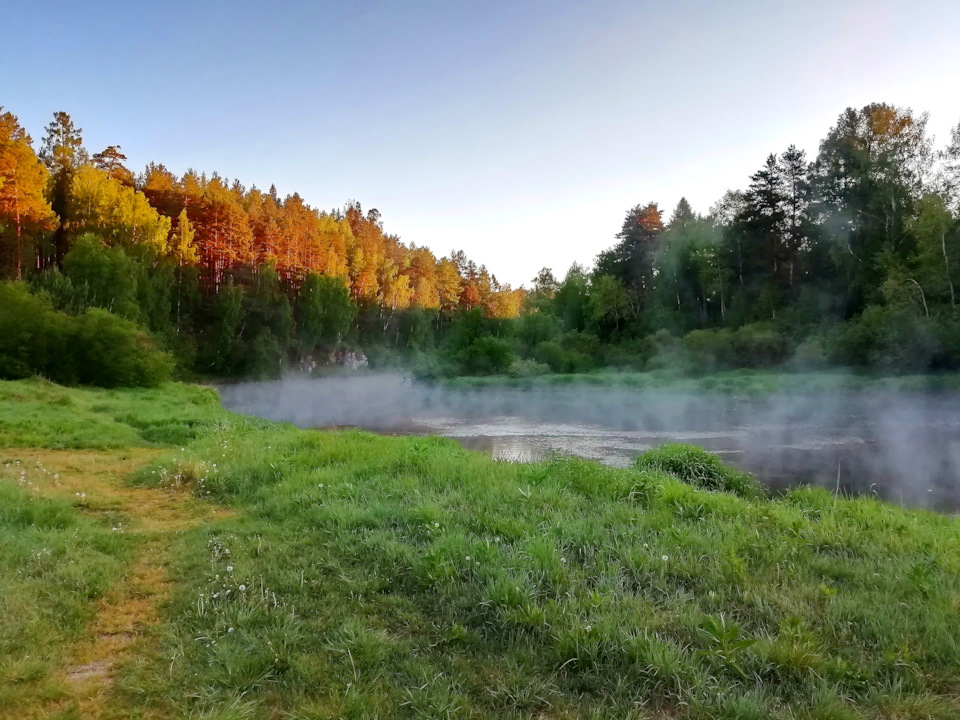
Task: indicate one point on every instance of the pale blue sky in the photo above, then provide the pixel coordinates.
(518, 131)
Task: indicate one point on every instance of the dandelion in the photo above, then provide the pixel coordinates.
(664, 558)
(230, 567)
(468, 558)
(320, 485)
(242, 588)
(229, 630)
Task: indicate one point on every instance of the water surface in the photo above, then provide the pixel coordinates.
(904, 447)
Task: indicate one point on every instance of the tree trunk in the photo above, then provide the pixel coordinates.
(18, 249)
(923, 297)
(946, 265)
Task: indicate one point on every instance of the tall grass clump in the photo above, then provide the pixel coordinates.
(700, 468)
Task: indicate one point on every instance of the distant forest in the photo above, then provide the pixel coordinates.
(848, 258)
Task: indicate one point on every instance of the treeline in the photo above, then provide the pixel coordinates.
(233, 281)
(849, 258)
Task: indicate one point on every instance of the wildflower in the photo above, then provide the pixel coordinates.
(242, 588)
(230, 567)
(468, 558)
(664, 558)
(229, 630)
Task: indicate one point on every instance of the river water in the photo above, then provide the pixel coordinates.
(904, 447)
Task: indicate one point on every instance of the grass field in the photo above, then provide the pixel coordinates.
(220, 566)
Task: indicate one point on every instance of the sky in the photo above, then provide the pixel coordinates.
(519, 131)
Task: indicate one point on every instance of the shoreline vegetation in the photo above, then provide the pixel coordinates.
(721, 382)
(346, 574)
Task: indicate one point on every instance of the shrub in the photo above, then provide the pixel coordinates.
(759, 345)
(95, 348)
(709, 349)
(885, 338)
(560, 359)
(528, 368)
(696, 466)
(810, 354)
(113, 352)
(486, 356)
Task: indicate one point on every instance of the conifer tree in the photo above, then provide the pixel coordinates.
(23, 180)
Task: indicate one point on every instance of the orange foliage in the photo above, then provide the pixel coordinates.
(234, 226)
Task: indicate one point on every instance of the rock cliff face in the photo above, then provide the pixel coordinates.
(352, 359)
(341, 357)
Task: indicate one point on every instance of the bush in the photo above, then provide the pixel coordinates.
(696, 466)
(759, 345)
(633, 354)
(810, 354)
(528, 368)
(709, 350)
(95, 348)
(486, 356)
(561, 360)
(885, 338)
(537, 327)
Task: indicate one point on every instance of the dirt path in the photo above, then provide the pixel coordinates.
(126, 616)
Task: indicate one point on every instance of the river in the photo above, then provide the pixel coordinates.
(903, 447)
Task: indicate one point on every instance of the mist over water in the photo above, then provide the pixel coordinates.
(902, 446)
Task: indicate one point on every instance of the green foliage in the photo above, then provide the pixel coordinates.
(323, 311)
(561, 360)
(486, 356)
(700, 468)
(93, 348)
(537, 327)
(105, 276)
(113, 352)
(887, 338)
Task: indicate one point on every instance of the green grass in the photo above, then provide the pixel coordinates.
(38, 413)
(730, 382)
(379, 577)
(54, 564)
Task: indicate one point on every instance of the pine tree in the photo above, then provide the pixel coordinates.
(62, 153)
(23, 180)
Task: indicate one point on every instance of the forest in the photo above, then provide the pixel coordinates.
(847, 258)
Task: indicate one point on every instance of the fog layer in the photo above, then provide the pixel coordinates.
(901, 446)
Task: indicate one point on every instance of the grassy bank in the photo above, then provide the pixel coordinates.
(365, 576)
(733, 382)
